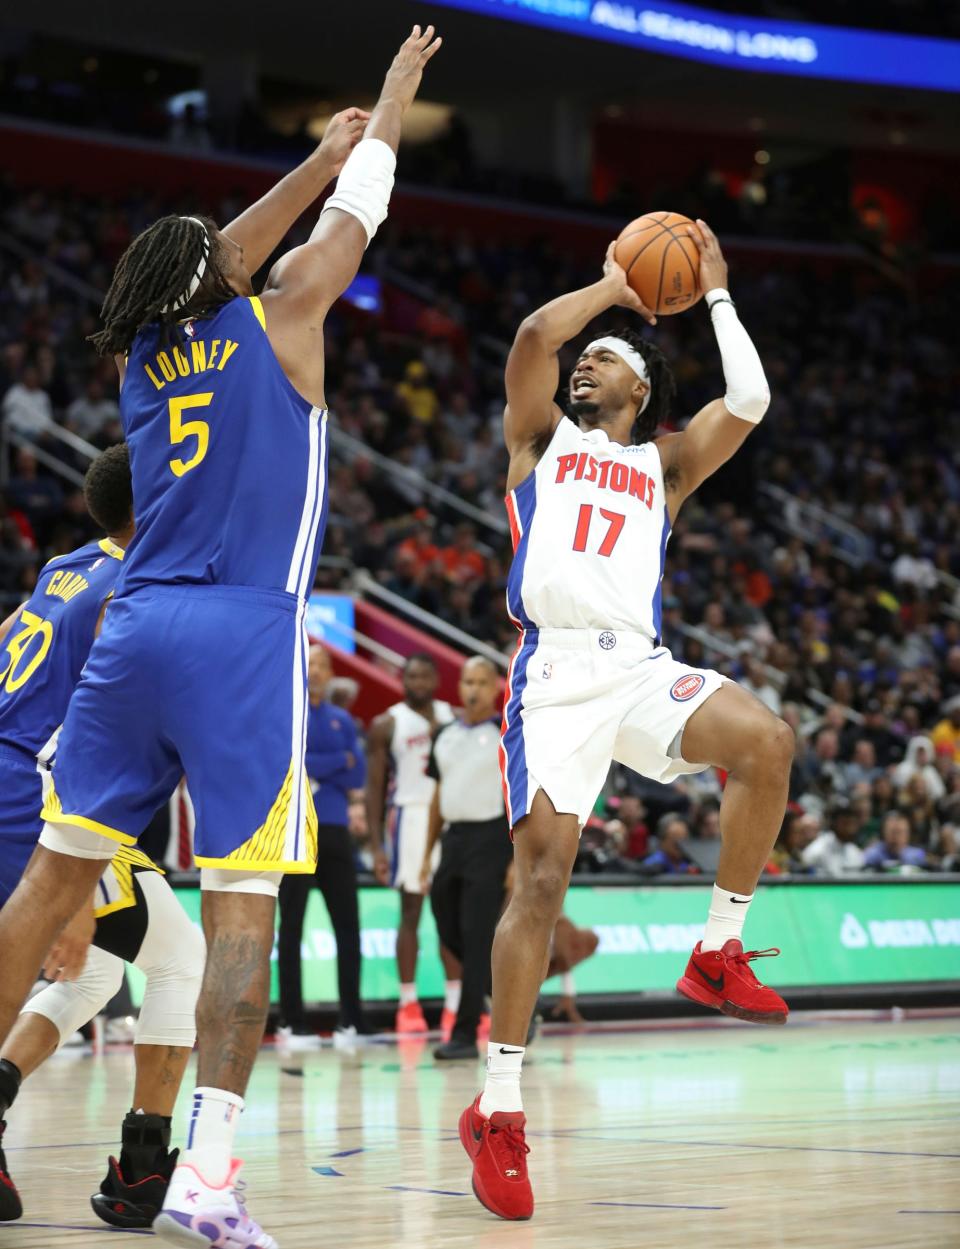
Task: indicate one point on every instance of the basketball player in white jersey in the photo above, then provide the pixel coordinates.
(591, 502)
(400, 740)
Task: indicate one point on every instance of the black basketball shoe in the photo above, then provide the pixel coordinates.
(11, 1207)
(135, 1204)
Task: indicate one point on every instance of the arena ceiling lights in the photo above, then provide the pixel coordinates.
(749, 43)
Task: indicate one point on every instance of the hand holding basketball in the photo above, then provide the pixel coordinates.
(713, 266)
(623, 295)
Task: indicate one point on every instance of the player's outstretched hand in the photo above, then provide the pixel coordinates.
(344, 131)
(622, 293)
(713, 266)
(68, 954)
(403, 77)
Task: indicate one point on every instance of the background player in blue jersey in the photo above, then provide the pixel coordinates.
(201, 665)
(133, 914)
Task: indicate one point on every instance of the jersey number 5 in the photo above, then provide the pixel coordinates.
(19, 669)
(615, 522)
(181, 429)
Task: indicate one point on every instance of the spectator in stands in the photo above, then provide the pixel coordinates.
(755, 680)
(632, 813)
(416, 394)
(27, 408)
(88, 415)
(821, 768)
(670, 858)
(862, 768)
(835, 852)
(894, 848)
(946, 732)
(38, 498)
(792, 840)
(919, 763)
(461, 559)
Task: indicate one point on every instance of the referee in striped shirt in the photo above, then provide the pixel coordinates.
(468, 890)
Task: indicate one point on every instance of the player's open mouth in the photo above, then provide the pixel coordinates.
(582, 384)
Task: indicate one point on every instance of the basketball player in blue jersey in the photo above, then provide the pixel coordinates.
(133, 914)
(592, 498)
(201, 666)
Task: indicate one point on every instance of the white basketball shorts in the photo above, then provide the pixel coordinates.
(577, 699)
(408, 827)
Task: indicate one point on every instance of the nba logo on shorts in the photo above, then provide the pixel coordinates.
(547, 671)
(686, 687)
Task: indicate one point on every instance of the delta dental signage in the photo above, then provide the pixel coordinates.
(742, 42)
(828, 935)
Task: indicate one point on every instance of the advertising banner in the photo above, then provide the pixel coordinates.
(828, 935)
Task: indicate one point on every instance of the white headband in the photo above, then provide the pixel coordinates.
(629, 355)
(200, 270)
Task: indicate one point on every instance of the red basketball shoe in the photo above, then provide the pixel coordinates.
(499, 1153)
(410, 1019)
(724, 980)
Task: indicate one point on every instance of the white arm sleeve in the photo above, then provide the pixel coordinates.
(364, 186)
(748, 395)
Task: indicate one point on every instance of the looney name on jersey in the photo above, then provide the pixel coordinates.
(606, 475)
(67, 585)
(203, 358)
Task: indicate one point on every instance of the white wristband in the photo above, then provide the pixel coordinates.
(748, 395)
(364, 186)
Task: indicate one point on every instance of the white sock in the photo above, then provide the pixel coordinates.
(408, 994)
(567, 984)
(725, 918)
(213, 1123)
(451, 995)
(501, 1090)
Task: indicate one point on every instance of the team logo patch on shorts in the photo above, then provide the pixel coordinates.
(686, 687)
(607, 640)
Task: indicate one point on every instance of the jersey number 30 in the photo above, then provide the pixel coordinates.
(18, 668)
(615, 522)
(181, 430)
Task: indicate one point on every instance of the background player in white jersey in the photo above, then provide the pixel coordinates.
(592, 499)
(399, 741)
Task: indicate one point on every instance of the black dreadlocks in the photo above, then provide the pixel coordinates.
(663, 386)
(152, 274)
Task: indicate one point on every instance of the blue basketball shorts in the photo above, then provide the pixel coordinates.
(207, 682)
(21, 797)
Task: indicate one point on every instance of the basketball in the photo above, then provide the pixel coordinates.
(661, 261)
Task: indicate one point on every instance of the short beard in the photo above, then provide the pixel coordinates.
(584, 409)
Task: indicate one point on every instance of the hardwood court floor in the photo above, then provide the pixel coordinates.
(814, 1135)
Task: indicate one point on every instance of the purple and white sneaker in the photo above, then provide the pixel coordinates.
(200, 1215)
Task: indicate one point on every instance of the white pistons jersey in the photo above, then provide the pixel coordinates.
(410, 748)
(590, 529)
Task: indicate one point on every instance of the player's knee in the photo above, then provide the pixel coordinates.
(543, 891)
(781, 745)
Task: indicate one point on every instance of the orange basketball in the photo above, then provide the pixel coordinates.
(661, 262)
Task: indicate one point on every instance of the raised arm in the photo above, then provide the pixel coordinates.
(262, 226)
(310, 278)
(378, 748)
(533, 366)
(722, 427)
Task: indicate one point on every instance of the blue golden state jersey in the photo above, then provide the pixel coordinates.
(228, 460)
(45, 651)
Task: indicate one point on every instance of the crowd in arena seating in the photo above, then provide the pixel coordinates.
(852, 634)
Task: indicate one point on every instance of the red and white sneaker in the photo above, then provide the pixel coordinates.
(483, 1029)
(410, 1019)
(499, 1153)
(724, 980)
(447, 1019)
